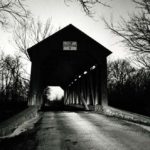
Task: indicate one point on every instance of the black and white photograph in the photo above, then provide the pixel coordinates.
(74, 74)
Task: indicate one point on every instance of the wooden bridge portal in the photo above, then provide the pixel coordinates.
(70, 59)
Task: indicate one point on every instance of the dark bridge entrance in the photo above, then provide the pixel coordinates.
(74, 61)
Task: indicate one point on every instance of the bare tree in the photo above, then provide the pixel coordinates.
(119, 71)
(135, 31)
(87, 5)
(128, 87)
(141, 60)
(12, 82)
(12, 9)
(31, 32)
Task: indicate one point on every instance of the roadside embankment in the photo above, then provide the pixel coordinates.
(8, 126)
(130, 116)
(114, 112)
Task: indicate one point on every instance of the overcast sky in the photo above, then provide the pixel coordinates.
(71, 13)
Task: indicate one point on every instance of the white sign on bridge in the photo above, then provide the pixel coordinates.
(70, 45)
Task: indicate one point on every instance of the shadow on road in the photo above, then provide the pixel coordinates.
(61, 108)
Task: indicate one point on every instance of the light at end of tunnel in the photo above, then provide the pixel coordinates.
(85, 72)
(54, 93)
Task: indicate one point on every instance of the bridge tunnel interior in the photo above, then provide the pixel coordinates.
(76, 75)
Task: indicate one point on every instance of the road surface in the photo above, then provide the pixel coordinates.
(80, 131)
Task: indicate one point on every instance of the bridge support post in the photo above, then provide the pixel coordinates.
(35, 95)
(92, 101)
(97, 83)
(68, 98)
(73, 95)
(103, 85)
(66, 95)
(76, 94)
(87, 91)
(82, 93)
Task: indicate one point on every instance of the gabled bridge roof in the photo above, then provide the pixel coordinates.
(66, 54)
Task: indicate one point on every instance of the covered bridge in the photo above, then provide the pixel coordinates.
(71, 59)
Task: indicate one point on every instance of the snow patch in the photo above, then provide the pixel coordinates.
(23, 127)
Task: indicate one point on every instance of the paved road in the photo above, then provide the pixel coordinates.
(80, 131)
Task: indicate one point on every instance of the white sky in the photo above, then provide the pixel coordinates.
(54, 93)
(63, 15)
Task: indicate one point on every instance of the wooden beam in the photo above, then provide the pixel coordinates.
(103, 84)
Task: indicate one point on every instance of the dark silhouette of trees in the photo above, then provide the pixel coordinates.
(13, 85)
(141, 60)
(128, 87)
(119, 71)
(135, 31)
(133, 94)
(12, 9)
(87, 5)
